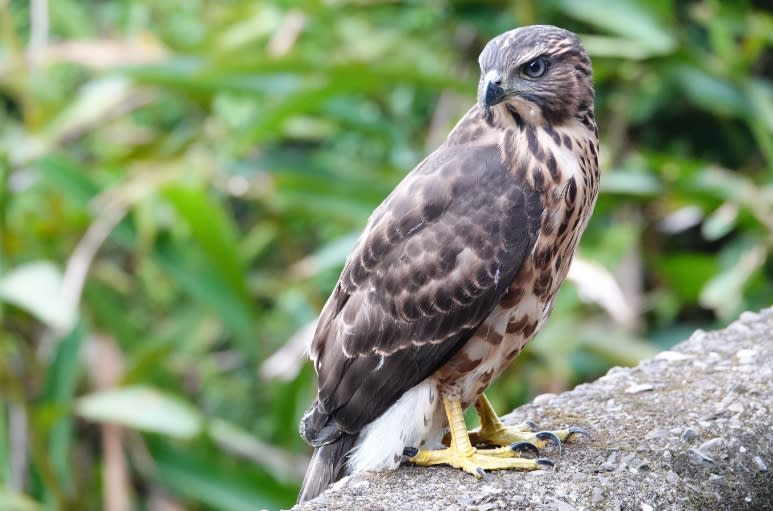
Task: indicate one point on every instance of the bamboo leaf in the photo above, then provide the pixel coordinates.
(215, 233)
(11, 501)
(143, 408)
(37, 288)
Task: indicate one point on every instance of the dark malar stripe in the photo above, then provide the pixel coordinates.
(488, 116)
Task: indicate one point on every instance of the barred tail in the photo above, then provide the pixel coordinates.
(327, 465)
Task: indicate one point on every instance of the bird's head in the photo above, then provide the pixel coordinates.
(542, 71)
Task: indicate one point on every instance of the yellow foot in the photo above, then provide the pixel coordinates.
(461, 454)
(477, 461)
(520, 437)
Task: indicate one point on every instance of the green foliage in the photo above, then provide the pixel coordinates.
(181, 182)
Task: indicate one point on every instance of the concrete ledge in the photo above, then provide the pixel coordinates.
(691, 429)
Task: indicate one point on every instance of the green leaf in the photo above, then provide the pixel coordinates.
(143, 408)
(627, 18)
(720, 222)
(724, 292)
(197, 278)
(72, 18)
(12, 501)
(37, 288)
(88, 108)
(328, 256)
(620, 348)
(67, 178)
(687, 273)
(61, 381)
(197, 478)
(283, 465)
(630, 182)
(712, 93)
(760, 93)
(215, 233)
(616, 47)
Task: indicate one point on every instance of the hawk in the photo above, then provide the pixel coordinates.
(456, 271)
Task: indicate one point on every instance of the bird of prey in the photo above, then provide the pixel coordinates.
(456, 271)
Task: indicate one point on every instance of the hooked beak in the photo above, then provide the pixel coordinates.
(492, 92)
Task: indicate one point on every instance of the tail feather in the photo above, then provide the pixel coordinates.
(327, 465)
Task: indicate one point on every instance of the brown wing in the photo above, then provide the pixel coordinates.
(433, 262)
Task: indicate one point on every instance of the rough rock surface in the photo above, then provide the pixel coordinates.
(691, 429)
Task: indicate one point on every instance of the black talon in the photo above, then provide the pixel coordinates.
(576, 430)
(531, 425)
(485, 475)
(410, 451)
(524, 446)
(545, 461)
(550, 436)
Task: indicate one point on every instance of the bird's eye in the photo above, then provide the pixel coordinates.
(534, 68)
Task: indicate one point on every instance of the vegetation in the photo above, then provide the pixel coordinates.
(180, 183)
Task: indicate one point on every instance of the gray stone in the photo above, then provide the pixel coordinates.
(648, 449)
(689, 434)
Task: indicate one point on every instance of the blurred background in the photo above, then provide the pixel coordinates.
(180, 183)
